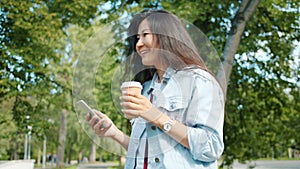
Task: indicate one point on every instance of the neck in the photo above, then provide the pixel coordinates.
(160, 74)
(161, 68)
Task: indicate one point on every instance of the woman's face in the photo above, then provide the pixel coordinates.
(147, 46)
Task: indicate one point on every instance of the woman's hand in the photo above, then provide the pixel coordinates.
(102, 125)
(137, 105)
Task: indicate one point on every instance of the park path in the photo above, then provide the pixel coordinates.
(260, 164)
(269, 164)
(88, 166)
(97, 166)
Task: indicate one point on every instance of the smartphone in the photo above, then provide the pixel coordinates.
(85, 107)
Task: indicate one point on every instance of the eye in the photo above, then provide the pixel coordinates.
(145, 34)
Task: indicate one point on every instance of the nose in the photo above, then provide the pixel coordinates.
(139, 44)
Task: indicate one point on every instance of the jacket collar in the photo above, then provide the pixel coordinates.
(166, 77)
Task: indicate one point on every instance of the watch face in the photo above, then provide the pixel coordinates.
(167, 126)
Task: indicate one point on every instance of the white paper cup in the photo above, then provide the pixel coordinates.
(134, 86)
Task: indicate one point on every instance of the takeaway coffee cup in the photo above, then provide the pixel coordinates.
(134, 86)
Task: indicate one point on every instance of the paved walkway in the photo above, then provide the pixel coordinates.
(96, 166)
(261, 164)
(272, 164)
(17, 164)
(86, 166)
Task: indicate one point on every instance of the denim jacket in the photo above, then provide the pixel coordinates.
(194, 98)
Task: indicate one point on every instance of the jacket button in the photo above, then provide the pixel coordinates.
(172, 106)
(156, 159)
(153, 127)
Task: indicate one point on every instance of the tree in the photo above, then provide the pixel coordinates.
(33, 37)
(97, 61)
(239, 22)
(7, 127)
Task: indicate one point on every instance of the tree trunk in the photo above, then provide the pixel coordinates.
(44, 151)
(239, 23)
(79, 156)
(93, 153)
(70, 153)
(62, 138)
(39, 158)
(101, 155)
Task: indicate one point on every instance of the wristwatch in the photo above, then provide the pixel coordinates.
(167, 126)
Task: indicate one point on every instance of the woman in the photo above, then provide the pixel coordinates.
(177, 121)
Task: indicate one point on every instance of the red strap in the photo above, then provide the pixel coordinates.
(145, 162)
(146, 155)
(146, 148)
(151, 97)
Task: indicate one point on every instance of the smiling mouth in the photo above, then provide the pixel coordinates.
(143, 52)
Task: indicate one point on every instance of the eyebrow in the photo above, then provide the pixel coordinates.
(145, 30)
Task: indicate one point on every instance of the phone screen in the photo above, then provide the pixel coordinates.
(85, 108)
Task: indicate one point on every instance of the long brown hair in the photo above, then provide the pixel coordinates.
(177, 47)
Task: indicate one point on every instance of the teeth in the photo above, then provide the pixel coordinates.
(143, 52)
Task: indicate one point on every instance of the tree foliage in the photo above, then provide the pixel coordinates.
(33, 41)
(38, 54)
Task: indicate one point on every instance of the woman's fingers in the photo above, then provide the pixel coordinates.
(129, 105)
(94, 120)
(131, 99)
(130, 113)
(132, 102)
(102, 125)
(129, 117)
(130, 93)
(88, 117)
(134, 105)
(103, 119)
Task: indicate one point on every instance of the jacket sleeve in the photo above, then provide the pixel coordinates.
(205, 119)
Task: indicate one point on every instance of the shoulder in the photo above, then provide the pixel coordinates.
(203, 74)
(199, 77)
(207, 81)
(197, 73)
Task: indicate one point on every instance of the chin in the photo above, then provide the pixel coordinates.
(146, 63)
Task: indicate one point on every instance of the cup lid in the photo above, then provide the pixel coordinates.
(131, 84)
